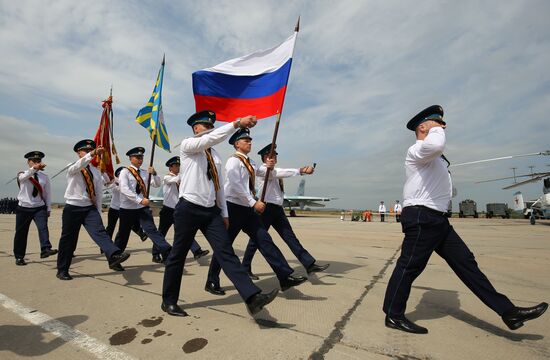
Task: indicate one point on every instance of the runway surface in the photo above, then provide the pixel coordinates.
(335, 315)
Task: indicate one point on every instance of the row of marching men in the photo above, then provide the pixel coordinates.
(196, 197)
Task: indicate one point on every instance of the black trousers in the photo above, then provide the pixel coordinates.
(382, 217)
(166, 220)
(244, 218)
(143, 216)
(189, 218)
(23, 218)
(72, 219)
(425, 232)
(112, 219)
(397, 217)
(274, 215)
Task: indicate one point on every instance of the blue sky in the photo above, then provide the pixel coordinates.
(361, 69)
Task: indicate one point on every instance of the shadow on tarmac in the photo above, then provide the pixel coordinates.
(29, 340)
(437, 303)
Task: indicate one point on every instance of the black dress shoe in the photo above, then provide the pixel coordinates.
(257, 302)
(64, 276)
(157, 259)
(200, 254)
(48, 252)
(143, 236)
(20, 262)
(404, 324)
(252, 275)
(117, 267)
(291, 281)
(117, 259)
(514, 318)
(173, 310)
(313, 268)
(214, 289)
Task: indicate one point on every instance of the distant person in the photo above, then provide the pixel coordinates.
(35, 204)
(170, 191)
(397, 210)
(427, 191)
(382, 211)
(274, 215)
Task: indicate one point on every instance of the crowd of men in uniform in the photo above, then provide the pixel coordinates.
(8, 205)
(197, 197)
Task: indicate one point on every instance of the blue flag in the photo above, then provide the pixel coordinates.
(151, 118)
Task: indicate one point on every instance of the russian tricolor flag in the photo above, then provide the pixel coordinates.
(254, 84)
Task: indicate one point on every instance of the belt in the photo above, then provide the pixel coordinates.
(433, 211)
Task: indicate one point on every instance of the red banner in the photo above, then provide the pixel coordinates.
(103, 138)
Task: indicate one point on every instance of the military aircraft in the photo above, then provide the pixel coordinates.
(301, 201)
(290, 201)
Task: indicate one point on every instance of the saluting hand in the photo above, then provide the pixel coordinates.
(259, 207)
(248, 121)
(39, 166)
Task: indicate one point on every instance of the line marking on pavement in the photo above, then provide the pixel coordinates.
(337, 334)
(72, 336)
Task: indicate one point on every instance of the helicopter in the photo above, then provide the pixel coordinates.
(539, 208)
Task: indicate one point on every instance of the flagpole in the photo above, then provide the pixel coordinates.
(151, 162)
(155, 131)
(276, 130)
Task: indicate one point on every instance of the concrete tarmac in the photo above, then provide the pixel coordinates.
(335, 315)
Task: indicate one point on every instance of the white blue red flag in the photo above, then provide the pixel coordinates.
(254, 84)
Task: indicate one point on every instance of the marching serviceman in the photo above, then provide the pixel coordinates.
(82, 207)
(134, 203)
(34, 203)
(397, 210)
(202, 206)
(274, 215)
(243, 209)
(426, 193)
(114, 210)
(382, 211)
(170, 190)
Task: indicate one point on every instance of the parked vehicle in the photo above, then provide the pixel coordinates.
(467, 208)
(498, 209)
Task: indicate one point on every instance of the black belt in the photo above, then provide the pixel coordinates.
(433, 211)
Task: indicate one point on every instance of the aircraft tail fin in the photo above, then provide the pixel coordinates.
(518, 203)
(301, 188)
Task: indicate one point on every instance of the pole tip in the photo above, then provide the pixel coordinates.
(297, 27)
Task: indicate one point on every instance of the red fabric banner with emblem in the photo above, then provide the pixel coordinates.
(103, 137)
